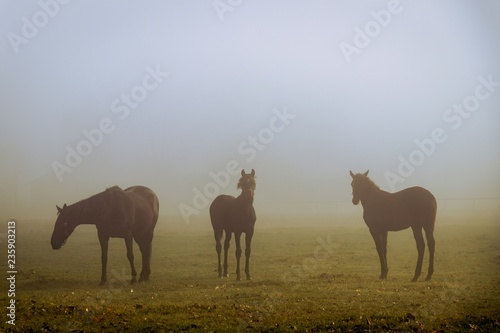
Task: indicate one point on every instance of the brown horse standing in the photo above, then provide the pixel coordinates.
(413, 207)
(235, 215)
(129, 214)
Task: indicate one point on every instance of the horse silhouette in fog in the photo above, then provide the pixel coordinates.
(129, 214)
(413, 207)
(235, 215)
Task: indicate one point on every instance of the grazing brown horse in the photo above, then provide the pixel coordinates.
(413, 207)
(129, 214)
(235, 215)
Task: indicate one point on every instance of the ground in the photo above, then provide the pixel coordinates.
(304, 279)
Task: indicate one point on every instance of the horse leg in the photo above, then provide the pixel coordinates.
(431, 244)
(378, 238)
(227, 241)
(103, 240)
(218, 248)
(237, 238)
(248, 250)
(130, 257)
(145, 245)
(146, 259)
(419, 239)
(385, 268)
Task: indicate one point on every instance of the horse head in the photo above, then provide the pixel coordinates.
(358, 185)
(247, 186)
(247, 181)
(62, 229)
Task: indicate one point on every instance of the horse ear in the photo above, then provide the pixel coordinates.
(253, 173)
(366, 173)
(242, 172)
(352, 175)
(59, 209)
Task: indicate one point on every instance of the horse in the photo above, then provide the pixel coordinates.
(130, 214)
(413, 207)
(235, 215)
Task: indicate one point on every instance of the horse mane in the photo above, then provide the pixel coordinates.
(367, 182)
(95, 203)
(363, 186)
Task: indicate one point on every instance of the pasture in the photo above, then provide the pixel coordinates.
(304, 279)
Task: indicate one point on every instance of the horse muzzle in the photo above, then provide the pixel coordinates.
(355, 201)
(56, 245)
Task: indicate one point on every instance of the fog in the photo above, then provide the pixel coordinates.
(180, 96)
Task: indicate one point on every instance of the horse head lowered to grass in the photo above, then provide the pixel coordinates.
(130, 214)
(414, 208)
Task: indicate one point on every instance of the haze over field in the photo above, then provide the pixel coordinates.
(179, 96)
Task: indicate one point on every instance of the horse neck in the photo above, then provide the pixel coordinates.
(243, 207)
(368, 192)
(86, 211)
(245, 198)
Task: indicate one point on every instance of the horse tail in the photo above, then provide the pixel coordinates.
(156, 208)
(148, 201)
(152, 199)
(432, 211)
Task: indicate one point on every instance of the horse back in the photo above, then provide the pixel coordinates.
(418, 201)
(411, 207)
(117, 218)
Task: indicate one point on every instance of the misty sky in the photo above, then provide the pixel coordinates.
(166, 94)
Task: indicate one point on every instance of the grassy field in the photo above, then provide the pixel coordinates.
(304, 279)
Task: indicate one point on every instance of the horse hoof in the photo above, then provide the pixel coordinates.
(238, 278)
(249, 278)
(102, 283)
(415, 279)
(134, 281)
(428, 278)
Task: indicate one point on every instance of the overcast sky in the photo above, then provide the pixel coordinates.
(175, 95)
